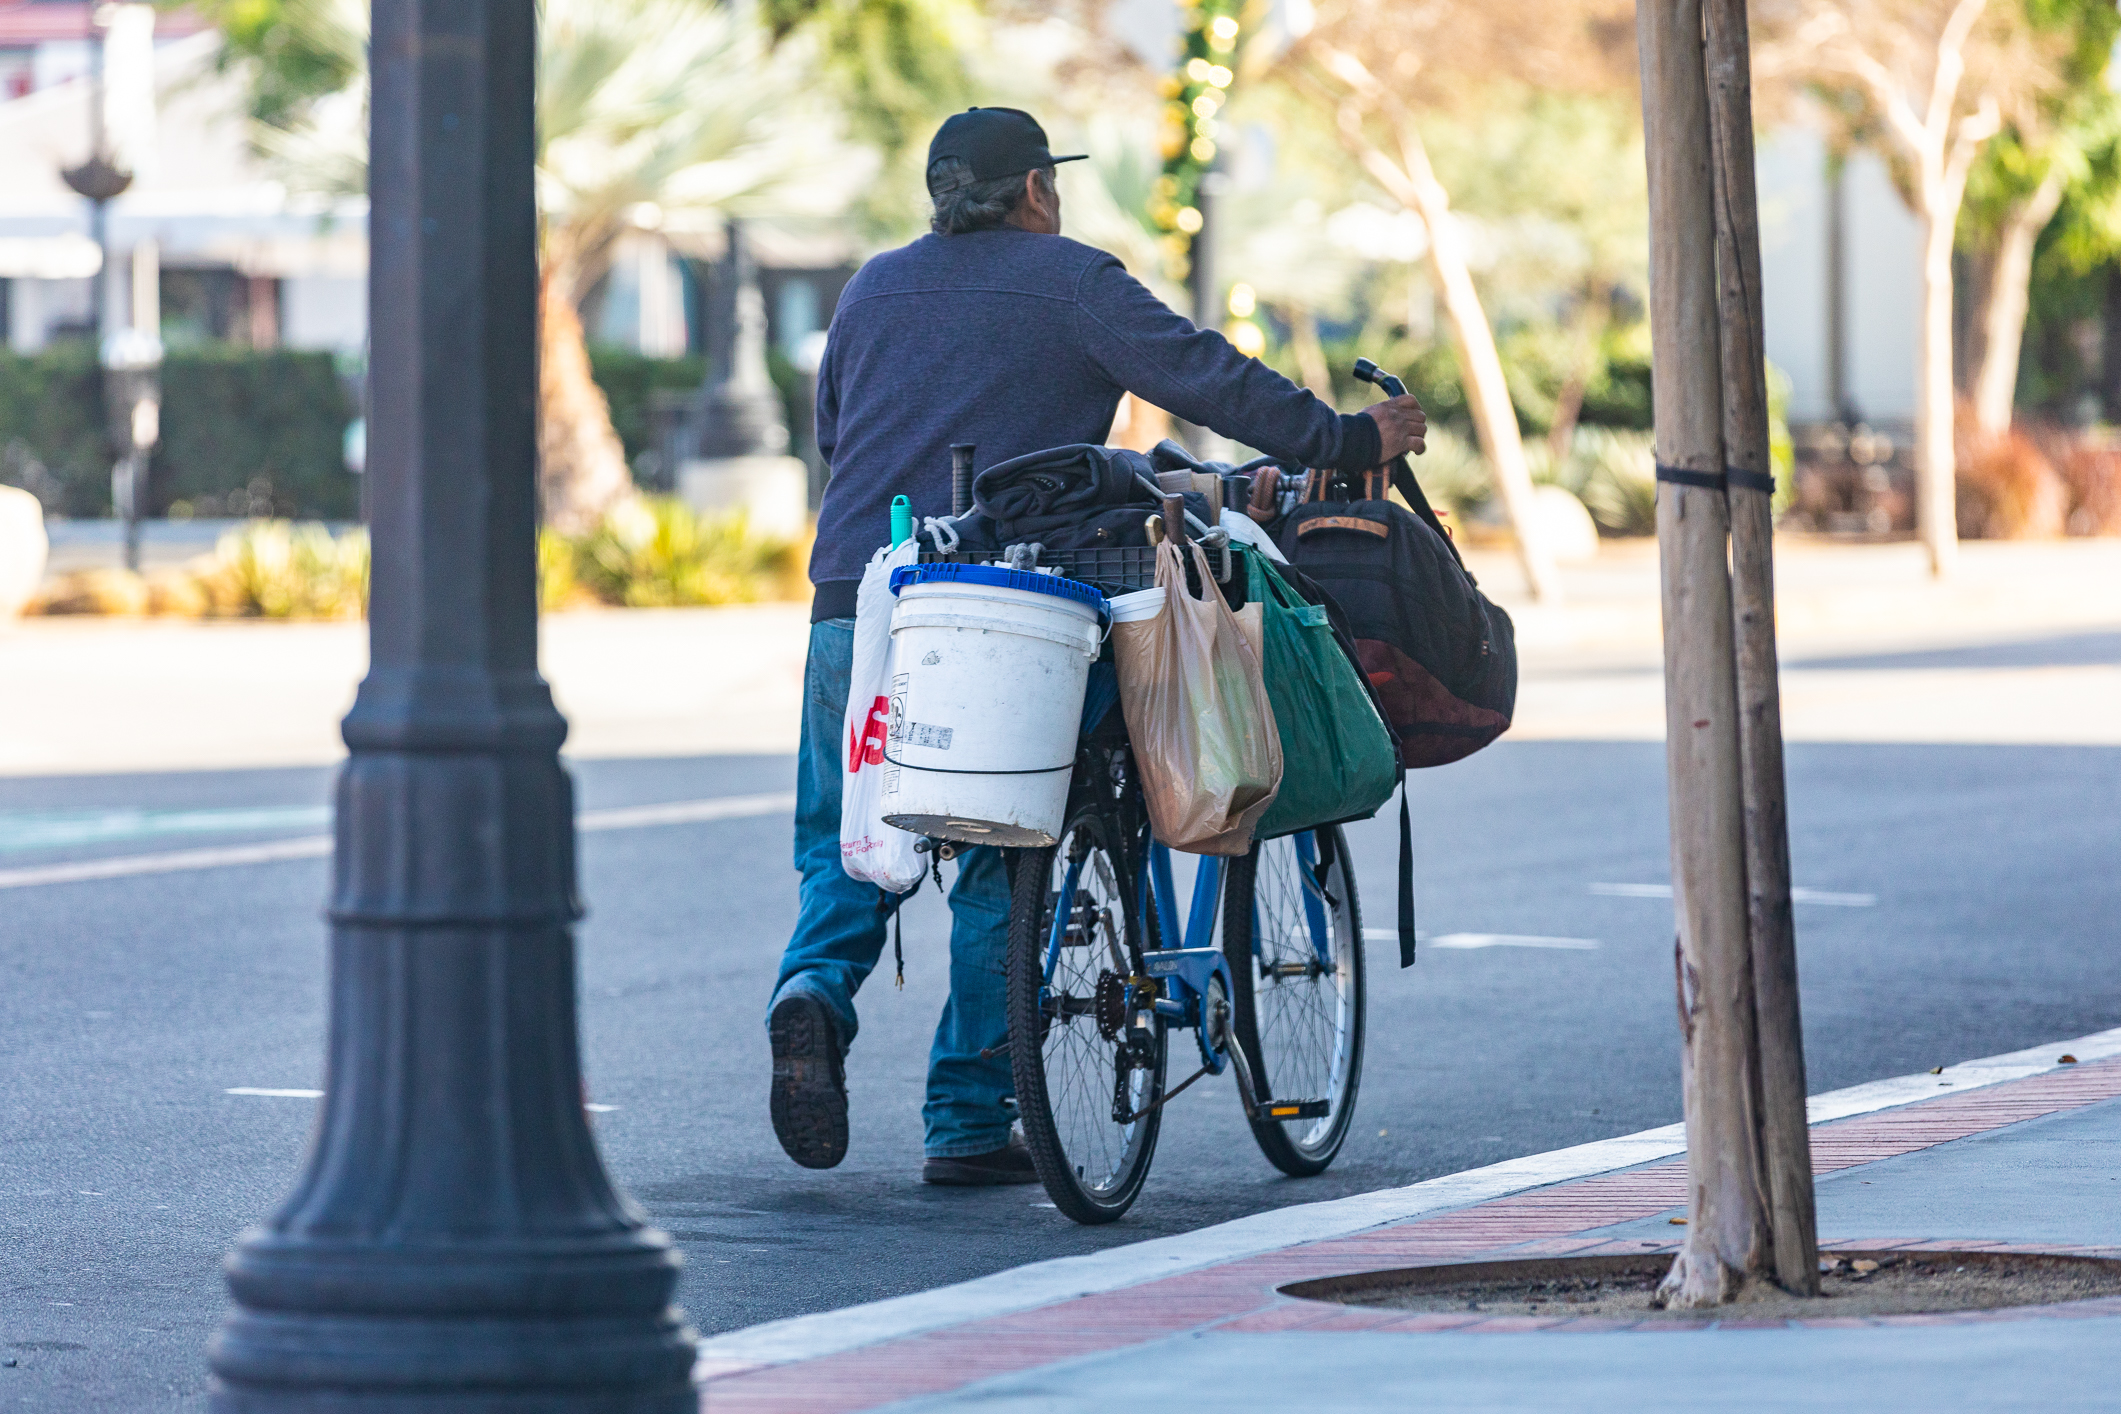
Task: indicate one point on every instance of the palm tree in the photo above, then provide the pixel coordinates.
(660, 115)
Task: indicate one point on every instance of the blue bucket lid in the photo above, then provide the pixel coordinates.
(1001, 577)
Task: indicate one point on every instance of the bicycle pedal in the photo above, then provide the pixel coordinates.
(1296, 1109)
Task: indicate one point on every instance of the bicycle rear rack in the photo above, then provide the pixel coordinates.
(1110, 569)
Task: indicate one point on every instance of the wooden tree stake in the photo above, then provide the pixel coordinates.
(1785, 1139)
(1727, 1234)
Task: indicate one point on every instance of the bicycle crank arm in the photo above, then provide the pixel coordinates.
(1248, 1092)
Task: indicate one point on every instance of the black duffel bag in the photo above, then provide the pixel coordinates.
(1440, 655)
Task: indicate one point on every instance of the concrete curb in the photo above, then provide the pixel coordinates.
(1064, 1278)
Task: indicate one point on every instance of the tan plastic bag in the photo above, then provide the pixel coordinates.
(1197, 713)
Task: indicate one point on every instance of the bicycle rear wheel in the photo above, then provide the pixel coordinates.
(1086, 1092)
(1292, 934)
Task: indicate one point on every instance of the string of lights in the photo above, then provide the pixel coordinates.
(1195, 93)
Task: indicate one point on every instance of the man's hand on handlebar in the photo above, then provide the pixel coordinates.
(1401, 425)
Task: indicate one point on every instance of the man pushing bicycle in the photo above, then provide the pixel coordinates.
(993, 330)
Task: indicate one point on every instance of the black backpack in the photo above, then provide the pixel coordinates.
(1440, 655)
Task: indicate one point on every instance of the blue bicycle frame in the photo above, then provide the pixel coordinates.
(1188, 970)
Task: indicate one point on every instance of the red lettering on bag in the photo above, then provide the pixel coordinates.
(865, 744)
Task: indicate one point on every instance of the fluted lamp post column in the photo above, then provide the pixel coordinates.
(455, 1243)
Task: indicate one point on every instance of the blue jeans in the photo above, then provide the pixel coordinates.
(840, 929)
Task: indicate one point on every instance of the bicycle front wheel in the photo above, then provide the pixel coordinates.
(1087, 1085)
(1292, 934)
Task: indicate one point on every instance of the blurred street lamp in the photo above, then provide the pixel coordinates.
(132, 396)
(121, 83)
(738, 412)
(100, 178)
(455, 1242)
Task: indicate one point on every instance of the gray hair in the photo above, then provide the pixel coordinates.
(964, 203)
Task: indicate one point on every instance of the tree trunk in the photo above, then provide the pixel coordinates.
(1310, 351)
(1568, 405)
(1785, 1136)
(1727, 1231)
(1567, 408)
(1936, 489)
(1487, 390)
(582, 470)
(1412, 183)
(2008, 294)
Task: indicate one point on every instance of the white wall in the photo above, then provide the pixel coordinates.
(1884, 285)
(36, 305)
(1791, 173)
(324, 312)
(1881, 279)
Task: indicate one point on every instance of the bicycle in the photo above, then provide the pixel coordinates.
(1266, 971)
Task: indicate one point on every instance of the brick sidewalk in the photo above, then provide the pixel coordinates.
(1241, 1295)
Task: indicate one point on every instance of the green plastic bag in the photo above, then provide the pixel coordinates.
(1337, 757)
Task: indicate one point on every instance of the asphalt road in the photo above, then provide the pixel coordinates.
(129, 1007)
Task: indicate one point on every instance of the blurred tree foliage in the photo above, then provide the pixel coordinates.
(2042, 215)
(898, 65)
(289, 49)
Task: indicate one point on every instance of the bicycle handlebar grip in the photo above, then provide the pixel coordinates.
(961, 477)
(1369, 372)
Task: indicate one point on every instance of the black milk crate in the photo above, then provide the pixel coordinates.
(1110, 569)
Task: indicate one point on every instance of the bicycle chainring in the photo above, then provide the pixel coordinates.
(1109, 1005)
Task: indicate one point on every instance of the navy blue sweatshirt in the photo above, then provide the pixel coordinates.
(1017, 342)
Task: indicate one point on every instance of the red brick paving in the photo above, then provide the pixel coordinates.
(1241, 1296)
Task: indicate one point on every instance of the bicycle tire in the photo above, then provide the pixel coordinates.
(1312, 1037)
(1066, 1075)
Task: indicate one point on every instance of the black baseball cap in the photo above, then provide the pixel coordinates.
(995, 142)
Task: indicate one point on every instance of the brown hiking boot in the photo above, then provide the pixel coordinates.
(1009, 1164)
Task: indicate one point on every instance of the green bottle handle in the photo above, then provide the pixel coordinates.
(901, 521)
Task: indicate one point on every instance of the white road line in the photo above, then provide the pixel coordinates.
(1062, 1278)
(319, 1094)
(631, 817)
(309, 847)
(686, 812)
(1483, 940)
(1826, 896)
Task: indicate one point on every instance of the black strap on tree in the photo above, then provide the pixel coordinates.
(1717, 480)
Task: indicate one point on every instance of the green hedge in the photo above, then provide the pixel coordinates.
(52, 440)
(245, 432)
(628, 378)
(248, 432)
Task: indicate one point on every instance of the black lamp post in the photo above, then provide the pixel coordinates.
(455, 1243)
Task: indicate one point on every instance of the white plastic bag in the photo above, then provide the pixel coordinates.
(871, 850)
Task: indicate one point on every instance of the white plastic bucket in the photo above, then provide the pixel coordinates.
(1142, 604)
(986, 700)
